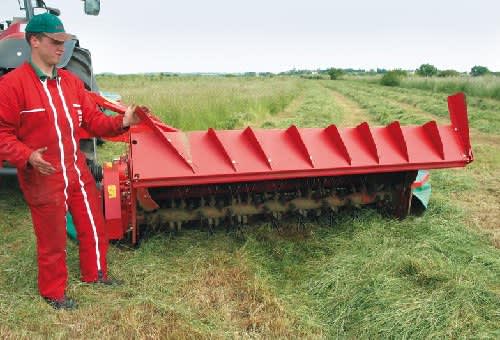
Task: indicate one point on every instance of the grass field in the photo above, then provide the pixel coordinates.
(365, 276)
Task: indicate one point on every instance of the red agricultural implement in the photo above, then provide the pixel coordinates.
(170, 178)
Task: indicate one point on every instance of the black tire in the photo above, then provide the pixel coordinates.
(80, 64)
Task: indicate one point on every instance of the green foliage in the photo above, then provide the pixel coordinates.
(391, 78)
(266, 74)
(477, 71)
(448, 73)
(400, 73)
(313, 76)
(427, 70)
(335, 73)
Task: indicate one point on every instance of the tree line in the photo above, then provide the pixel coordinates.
(425, 70)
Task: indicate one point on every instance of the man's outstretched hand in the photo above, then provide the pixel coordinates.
(130, 117)
(36, 160)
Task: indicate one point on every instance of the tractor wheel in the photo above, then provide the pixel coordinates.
(81, 65)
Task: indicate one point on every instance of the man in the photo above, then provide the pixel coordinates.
(41, 110)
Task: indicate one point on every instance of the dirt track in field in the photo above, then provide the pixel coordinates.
(353, 113)
(289, 111)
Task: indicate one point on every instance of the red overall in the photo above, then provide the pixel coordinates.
(49, 113)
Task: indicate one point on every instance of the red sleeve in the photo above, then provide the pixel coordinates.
(94, 120)
(11, 148)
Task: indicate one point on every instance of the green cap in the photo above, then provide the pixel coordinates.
(50, 25)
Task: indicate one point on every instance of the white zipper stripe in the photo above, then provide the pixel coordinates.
(59, 138)
(77, 105)
(75, 154)
(34, 110)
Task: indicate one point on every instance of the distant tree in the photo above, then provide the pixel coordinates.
(427, 70)
(399, 72)
(311, 76)
(335, 73)
(479, 71)
(448, 73)
(266, 74)
(392, 78)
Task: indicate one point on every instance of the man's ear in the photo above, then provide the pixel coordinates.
(34, 41)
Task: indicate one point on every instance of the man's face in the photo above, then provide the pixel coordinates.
(49, 51)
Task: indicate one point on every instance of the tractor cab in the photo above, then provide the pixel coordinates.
(14, 49)
(33, 7)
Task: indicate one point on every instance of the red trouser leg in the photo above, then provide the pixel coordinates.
(49, 222)
(89, 223)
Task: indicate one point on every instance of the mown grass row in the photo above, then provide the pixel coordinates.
(316, 108)
(382, 110)
(483, 113)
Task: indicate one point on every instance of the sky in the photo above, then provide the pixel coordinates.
(274, 36)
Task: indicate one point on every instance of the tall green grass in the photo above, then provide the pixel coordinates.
(484, 86)
(196, 103)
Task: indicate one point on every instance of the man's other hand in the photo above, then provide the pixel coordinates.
(130, 117)
(36, 160)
